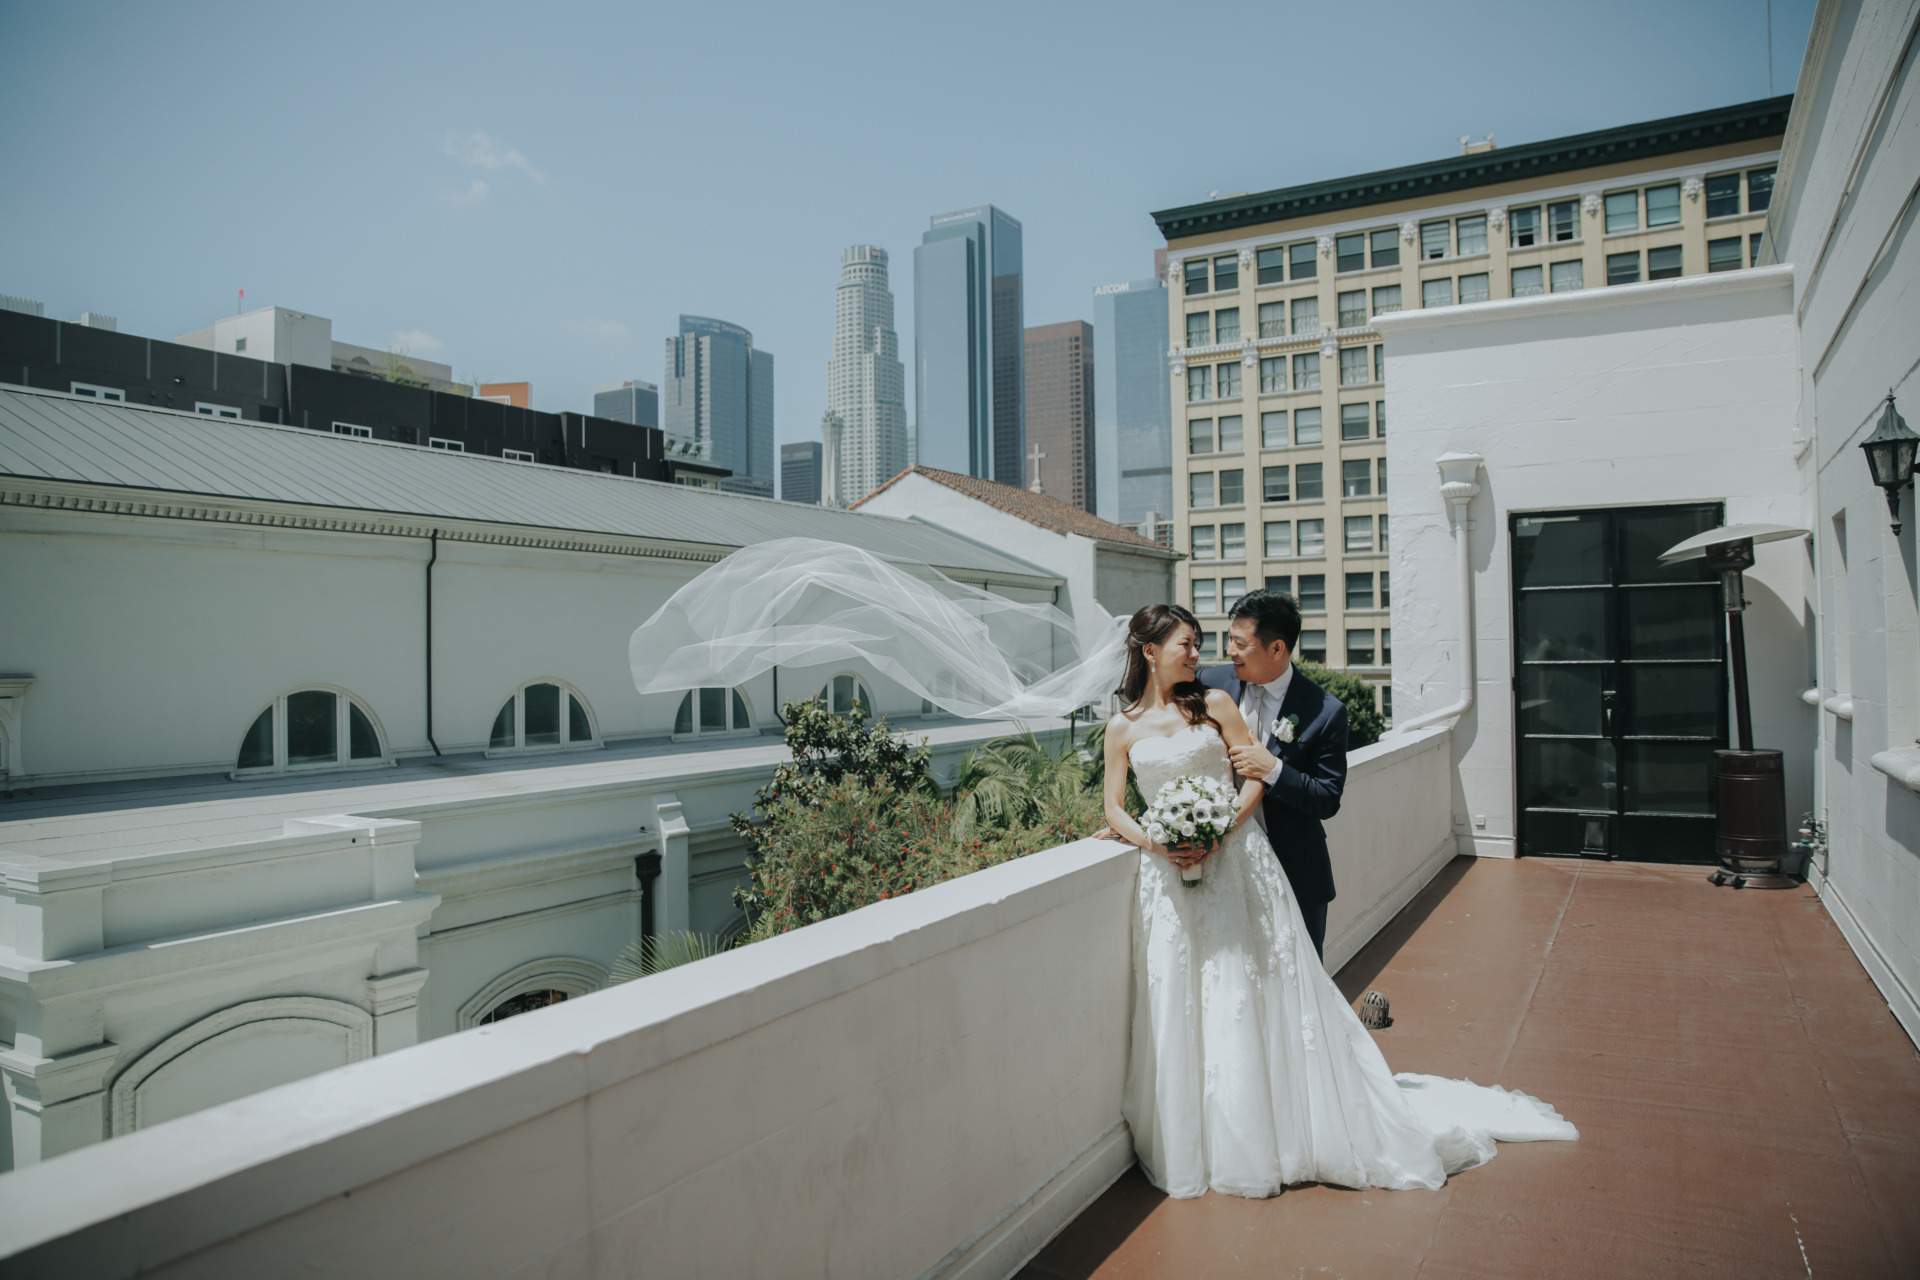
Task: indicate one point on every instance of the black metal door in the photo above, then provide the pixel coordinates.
(1620, 684)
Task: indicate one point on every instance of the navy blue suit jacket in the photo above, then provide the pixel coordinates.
(1308, 792)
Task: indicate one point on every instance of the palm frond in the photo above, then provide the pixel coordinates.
(644, 957)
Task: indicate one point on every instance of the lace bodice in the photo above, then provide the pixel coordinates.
(1196, 749)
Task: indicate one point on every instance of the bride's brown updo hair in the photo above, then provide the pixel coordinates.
(1152, 625)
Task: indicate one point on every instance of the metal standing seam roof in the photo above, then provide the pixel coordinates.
(49, 435)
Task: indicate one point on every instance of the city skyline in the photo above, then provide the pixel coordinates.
(503, 244)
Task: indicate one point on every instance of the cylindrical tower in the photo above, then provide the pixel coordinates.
(866, 383)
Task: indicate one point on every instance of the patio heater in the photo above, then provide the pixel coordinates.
(1750, 786)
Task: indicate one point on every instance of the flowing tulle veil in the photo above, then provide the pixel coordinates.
(801, 602)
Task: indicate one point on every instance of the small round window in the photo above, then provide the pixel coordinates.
(542, 714)
(311, 728)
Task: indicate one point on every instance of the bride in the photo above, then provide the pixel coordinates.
(1248, 1070)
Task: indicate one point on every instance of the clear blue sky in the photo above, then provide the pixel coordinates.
(537, 191)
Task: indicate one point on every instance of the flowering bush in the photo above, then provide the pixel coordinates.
(857, 819)
(1365, 724)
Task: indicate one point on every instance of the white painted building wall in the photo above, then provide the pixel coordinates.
(274, 334)
(154, 643)
(1668, 392)
(1116, 577)
(1844, 217)
(172, 936)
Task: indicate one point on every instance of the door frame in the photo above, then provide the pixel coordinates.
(1513, 650)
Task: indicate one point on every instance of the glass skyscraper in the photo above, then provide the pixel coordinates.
(1132, 412)
(631, 401)
(718, 391)
(800, 472)
(969, 338)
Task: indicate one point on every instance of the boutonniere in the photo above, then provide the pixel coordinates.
(1285, 727)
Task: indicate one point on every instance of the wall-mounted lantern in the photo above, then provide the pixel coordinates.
(1890, 450)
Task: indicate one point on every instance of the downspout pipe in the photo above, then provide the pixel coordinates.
(1459, 485)
(432, 559)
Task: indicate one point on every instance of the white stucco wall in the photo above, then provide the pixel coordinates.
(1118, 579)
(1668, 392)
(885, 1094)
(412, 901)
(154, 643)
(1844, 217)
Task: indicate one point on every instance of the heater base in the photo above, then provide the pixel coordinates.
(1753, 879)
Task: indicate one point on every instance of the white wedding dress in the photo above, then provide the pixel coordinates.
(1249, 1071)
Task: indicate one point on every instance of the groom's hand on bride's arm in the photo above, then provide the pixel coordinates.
(1253, 761)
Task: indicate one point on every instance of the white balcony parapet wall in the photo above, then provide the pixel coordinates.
(1392, 835)
(926, 1087)
(930, 1086)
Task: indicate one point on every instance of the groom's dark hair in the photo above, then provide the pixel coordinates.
(1275, 614)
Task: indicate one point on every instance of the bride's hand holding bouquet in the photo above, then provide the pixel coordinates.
(1189, 818)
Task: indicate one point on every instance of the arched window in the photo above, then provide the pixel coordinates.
(843, 691)
(543, 714)
(315, 728)
(711, 712)
(943, 685)
(525, 1002)
(530, 986)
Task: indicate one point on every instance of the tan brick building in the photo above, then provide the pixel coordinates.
(1280, 392)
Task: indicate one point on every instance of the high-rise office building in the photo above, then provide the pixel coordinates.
(1059, 412)
(800, 472)
(630, 401)
(864, 430)
(968, 339)
(1279, 393)
(718, 392)
(1132, 424)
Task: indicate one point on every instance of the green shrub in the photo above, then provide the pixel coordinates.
(857, 818)
(1364, 721)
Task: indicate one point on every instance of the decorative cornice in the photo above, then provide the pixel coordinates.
(1723, 126)
(55, 496)
(1647, 292)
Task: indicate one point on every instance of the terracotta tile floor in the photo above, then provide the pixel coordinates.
(1747, 1104)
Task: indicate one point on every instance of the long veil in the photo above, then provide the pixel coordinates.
(802, 602)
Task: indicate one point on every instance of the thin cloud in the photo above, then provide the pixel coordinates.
(417, 341)
(478, 150)
(590, 329)
(475, 190)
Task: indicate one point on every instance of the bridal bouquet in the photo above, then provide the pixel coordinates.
(1191, 809)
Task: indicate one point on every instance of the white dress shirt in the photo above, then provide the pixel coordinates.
(1260, 704)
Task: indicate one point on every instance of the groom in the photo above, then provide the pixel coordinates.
(1300, 732)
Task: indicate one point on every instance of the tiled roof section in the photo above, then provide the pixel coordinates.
(1034, 508)
(1748, 122)
(49, 435)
